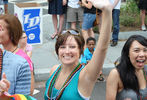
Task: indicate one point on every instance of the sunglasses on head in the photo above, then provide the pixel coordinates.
(74, 32)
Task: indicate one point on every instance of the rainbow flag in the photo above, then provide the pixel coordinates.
(17, 97)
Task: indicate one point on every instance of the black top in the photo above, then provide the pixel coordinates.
(92, 10)
(56, 7)
(142, 4)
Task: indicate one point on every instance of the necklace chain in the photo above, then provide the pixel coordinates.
(14, 50)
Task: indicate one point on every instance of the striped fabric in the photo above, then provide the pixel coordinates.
(20, 77)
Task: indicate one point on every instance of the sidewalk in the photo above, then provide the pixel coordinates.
(44, 56)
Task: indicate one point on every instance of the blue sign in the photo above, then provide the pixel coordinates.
(31, 24)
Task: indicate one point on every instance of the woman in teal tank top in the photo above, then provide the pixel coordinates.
(71, 91)
(71, 80)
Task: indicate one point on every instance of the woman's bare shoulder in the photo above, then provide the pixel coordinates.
(114, 73)
(53, 69)
(113, 78)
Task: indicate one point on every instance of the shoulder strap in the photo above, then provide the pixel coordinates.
(1, 62)
(145, 75)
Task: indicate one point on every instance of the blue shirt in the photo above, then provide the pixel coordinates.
(18, 72)
(87, 56)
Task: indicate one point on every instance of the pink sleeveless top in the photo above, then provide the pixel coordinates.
(21, 53)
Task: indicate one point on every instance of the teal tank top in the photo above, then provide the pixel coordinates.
(70, 92)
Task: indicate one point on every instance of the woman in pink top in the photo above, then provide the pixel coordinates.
(27, 48)
(24, 55)
(12, 32)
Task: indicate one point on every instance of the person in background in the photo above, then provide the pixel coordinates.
(128, 81)
(70, 80)
(115, 16)
(27, 48)
(88, 19)
(88, 53)
(6, 6)
(74, 13)
(143, 7)
(57, 7)
(11, 34)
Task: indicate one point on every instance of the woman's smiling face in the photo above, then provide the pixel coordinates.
(138, 55)
(69, 52)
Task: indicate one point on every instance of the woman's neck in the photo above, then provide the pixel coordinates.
(69, 67)
(23, 48)
(10, 47)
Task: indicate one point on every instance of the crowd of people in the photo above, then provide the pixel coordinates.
(83, 13)
(74, 79)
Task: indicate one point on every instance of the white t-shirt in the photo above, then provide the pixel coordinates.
(118, 4)
(73, 3)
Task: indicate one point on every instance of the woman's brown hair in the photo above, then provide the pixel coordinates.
(13, 26)
(63, 37)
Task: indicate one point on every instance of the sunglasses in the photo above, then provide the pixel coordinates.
(74, 32)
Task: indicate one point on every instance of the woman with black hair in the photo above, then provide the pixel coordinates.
(129, 75)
